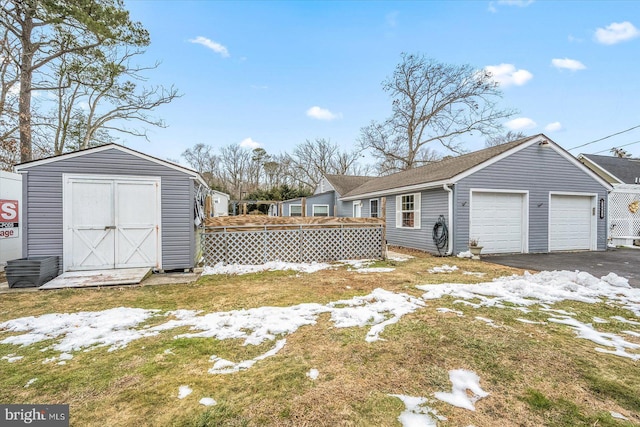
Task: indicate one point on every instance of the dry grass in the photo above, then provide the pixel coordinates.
(537, 375)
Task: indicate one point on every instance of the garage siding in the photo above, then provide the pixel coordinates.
(538, 169)
(42, 203)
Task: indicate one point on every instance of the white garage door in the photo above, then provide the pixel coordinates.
(498, 221)
(111, 223)
(570, 223)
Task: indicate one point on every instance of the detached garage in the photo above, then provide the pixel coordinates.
(110, 207)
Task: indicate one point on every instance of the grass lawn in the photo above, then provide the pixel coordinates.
(535, 374)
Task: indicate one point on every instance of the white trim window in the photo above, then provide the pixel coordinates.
(357, 209)
(320, 210)
(295, 210)
(373, 208)
(408, 211)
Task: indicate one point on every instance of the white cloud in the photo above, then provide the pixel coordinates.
(392, 19)
(519, 3)
(573, 39)
(568, 64)
(214, 46)
(316, 112)
(553, 127)
(507, 75)
(521, 123)
(616, 32)
(249, 143)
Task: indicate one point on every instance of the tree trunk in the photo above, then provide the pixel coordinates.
(24, 102)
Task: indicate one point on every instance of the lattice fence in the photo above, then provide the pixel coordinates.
(296, 243)
(624, 212)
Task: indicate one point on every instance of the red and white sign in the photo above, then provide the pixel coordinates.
(9, 219)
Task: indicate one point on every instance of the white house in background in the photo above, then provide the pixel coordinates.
(624, 200)
(10, 217)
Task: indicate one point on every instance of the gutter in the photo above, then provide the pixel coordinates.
(446, 188)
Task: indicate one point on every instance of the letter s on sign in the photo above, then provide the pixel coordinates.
(8, 210)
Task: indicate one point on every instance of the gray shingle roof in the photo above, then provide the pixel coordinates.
(628, 170)
(434, 172)
(345, 183)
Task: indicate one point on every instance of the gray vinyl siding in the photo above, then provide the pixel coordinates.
(320, 199)
(42, 192)
(345, 209)
(433, 203)
(538, 170)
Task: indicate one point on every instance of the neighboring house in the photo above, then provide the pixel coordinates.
(624, 200)
(110, 207)
(524, 196)
(10, 217)
(326, 199)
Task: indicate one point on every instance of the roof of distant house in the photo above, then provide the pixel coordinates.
(346, 183)
(621, 169)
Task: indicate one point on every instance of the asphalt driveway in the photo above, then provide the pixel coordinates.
(623, 262)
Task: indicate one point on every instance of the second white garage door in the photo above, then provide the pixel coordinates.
(571, 222)
(498, 220)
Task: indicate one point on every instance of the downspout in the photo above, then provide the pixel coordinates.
(449, 219)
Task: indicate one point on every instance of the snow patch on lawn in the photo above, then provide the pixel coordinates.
(207, 401)
(466, 390)
(373, 309)
(375, 270)
(448, 310)
(113, 327)
(445, 268)
(313, 374)
(12, 358)
(184, 391)
(221, 268)
(222, 366)
(416, 413)
(549, 287)
(31, 381)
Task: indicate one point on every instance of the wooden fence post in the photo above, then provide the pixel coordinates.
(303, 207)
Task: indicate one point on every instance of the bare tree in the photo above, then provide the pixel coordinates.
(313, 159)
(432, 103)
(494, 140)
(233, 169)
(46, 30)
(99, 97)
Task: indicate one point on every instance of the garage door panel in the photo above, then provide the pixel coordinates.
(570, 222)
(497, 221)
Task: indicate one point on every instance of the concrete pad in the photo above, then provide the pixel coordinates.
(84, 279)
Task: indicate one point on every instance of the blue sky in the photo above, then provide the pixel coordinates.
(272, 74)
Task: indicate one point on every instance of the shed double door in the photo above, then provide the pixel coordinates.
(111, 222)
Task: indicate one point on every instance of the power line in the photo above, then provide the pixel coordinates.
(606, 137)
(619, 146)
